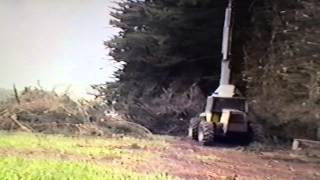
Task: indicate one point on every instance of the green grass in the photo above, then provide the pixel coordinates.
(86, 146)
(12, 168)
(56, 157)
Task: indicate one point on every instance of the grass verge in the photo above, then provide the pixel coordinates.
(13, 168)
(54, 157)
(120, 148)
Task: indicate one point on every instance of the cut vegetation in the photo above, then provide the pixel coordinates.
(37, 110)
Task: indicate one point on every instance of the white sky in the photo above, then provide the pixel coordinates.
(59, 42)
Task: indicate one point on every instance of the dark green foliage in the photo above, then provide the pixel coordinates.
(172, 51)
(283, 72)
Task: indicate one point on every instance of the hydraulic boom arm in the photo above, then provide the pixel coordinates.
(225, 89)
(226, 46)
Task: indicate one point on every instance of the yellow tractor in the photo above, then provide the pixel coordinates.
(225, 113)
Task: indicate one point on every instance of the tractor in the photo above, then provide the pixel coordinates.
(226, 112)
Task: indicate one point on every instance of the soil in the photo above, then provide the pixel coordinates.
(189, 160)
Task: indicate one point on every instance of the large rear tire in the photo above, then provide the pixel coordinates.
(247, 137)
(254, 134)
(206, 133)
(193, 127)
(257, 133)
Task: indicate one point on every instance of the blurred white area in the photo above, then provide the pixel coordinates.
(59, 43)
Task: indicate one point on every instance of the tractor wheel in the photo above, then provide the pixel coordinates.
(254, 134)
(193, 128)
(257, 133)
(206, 133)
(247, 137)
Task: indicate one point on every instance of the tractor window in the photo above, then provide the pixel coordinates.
(229, 103)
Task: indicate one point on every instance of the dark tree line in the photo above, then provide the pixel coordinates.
(172, 51)
(283, 67)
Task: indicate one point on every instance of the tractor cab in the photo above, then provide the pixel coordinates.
(229, 113)
(224, 115)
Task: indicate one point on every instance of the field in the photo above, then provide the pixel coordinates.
(57, 157)
(29, 156)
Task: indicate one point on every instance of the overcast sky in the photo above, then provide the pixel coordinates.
(58, 42)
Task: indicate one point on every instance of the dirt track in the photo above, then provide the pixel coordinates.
(189, 160)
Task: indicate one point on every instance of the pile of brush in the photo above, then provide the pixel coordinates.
(37, 110)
